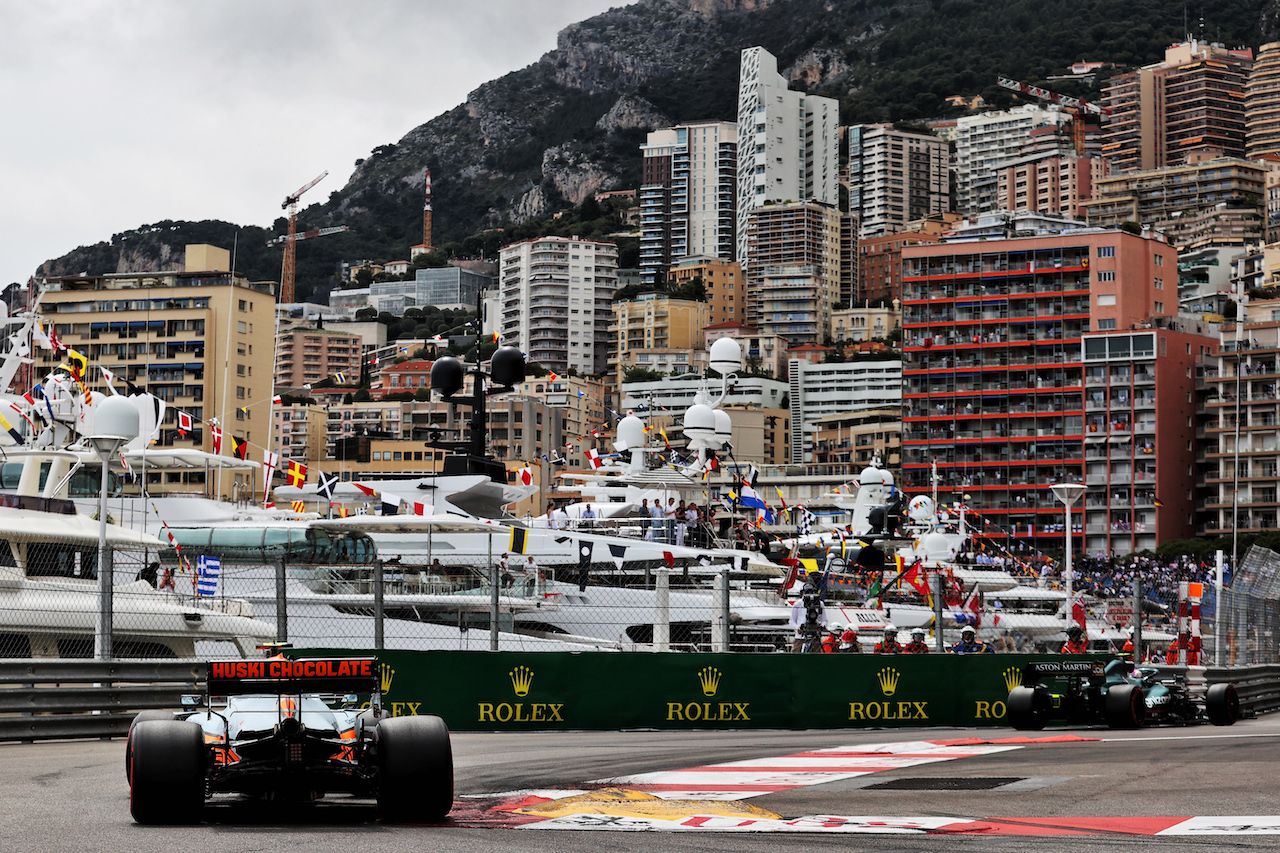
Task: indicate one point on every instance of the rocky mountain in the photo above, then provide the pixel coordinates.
(570, 124)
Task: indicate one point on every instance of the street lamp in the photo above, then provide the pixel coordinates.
(115, 424)
(1068, 493)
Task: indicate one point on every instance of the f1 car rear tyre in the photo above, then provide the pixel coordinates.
(415, 769)
(128, 742)
(1026, 709)
(1222, 704)
(1126, 706)
(168, 777)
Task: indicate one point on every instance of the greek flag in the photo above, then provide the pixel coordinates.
(208, 569)
(804, 524)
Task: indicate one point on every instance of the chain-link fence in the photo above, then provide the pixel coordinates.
(1250, 624)
(220, 600)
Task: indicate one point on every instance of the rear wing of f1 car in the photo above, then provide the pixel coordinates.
(278, 675)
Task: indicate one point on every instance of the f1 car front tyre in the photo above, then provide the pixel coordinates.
(168, 777)
(1027, 709)
(128, 742)
(1222, 704)
(415, 769)
(1126, 706)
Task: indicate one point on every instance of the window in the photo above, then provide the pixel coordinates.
(1159, 307)
(1106, 251)
(1106, 275)
(1106, 324)
(1159, 260)
(239, 392)
(1106, 299)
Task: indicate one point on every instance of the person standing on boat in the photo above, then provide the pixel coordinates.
(657, 514)
(588, 517)
(682, 524)
(504, 572)
(645, 532)
(671, 521)
(552, 521)
(530, 576)
(166, 580)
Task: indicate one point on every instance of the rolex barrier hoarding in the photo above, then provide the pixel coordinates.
(539, 691)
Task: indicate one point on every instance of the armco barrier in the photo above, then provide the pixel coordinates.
(45, 699)
(514, 691)
(1258, 685)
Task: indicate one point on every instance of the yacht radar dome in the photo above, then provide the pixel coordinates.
(726, 356)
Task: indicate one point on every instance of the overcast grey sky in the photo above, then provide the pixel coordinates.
(118, 113)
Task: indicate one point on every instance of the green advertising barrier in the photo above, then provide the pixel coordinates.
(543, 691)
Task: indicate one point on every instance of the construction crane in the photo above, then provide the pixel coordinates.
(290, 241)
(307, 235)
(1076, 107)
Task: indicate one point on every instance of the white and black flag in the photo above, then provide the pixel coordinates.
(327, 485)
(804, 524)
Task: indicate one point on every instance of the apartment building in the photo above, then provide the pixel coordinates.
(300, 432)
(556, 301)
(795, 280)
(761, 353)
(192, 337)
(305, 357)
(1192, 102)
(443, 287)
(986, 143)
(688, 195)
(849, 441)
(895, 176)
(789, 144)
(723, 282)
(819, 390)
(1210, 201)
(1241, 427)
(1049, 176)
(654, 322)
(1002, 361)
(880, 265)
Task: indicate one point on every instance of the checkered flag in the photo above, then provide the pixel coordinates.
(804, 524)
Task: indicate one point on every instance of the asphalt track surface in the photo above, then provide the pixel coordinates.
(72, 796)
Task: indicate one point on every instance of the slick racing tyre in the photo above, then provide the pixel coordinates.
(415, 769)
(168, 777)
(128, 742)
(1027, 709)
(1125, 706)
(1222, 704)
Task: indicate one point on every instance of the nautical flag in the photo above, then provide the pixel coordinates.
(713, 463)
(593, 456)
(781, 498)
(368, 491)
(804, 524)
(495, 337)
(239, 448)
(1159, 503)
(341, 378)
(79, 365)
(208, 569)
(216, 432)
(595, 433)
(40, 336)
(420, 508)
(873, 593)
(751, 498)
(298, 506)
(553, 377)
(1077, 613)
(618, 552)
(752, 476)
(128, 469)
(519, 540)
(584, 563)
(390, 503)
(269, 462)
(915, 578)
(185, 423)
(58, 346)
(297, 474)
(327, 485)
(277, 399)
(582, 393)
(108, 377)
(670, 559)
(13, 433)
(665, 441)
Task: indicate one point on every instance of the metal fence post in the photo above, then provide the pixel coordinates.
(662, 611)
(938, 642)
(378, 611)
(720, 613)
(494, 580)
(282, 604)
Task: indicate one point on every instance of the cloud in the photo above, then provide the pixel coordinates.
(126, 112)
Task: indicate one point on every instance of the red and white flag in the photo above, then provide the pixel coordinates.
(423, 509)
(269, 462)
(216, 432)
(1077, 613)
(525, 476)
(185, 423)
(593, 456)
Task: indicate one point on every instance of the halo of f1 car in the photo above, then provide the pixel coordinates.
(288, 729)
(1086, 691)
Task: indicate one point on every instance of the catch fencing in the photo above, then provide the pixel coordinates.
(1251, 611)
